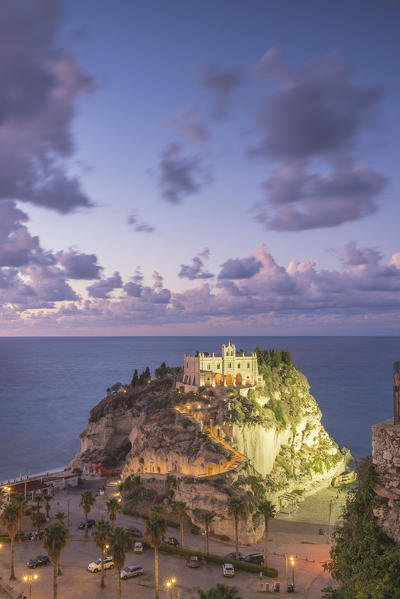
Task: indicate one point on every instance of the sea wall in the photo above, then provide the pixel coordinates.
(386, 458)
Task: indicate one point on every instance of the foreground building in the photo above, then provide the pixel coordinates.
(228, 369)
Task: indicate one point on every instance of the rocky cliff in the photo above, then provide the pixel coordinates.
(264, 442)
(386, 458)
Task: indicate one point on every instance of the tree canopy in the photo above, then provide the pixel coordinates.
(273, 358)
(364, 560)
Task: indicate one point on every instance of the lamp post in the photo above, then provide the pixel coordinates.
(170, 583)
(292, 563)
(29, 579)
(204, 534)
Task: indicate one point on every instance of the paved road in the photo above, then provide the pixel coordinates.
(77, 583)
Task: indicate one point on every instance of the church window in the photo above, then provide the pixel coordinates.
(187, 364)
(209, 366)
(218, 365)
(238, 365)
(229, 364)
(248, 364)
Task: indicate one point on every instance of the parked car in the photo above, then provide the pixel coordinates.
(96, 566)
(90, 524)
(233, 555)
(254, 558)
(39, 560)
(194, 561)
(131, 571)
(228, 570)
(173, 541)
(134, 532)
(138, 547)
(33, 535)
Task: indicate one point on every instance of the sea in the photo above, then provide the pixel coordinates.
(49, 385)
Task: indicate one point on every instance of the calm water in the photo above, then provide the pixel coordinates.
(49, 385)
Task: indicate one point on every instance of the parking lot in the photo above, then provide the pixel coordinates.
(77, 582)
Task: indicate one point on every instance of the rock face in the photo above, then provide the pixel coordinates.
(264, 442)
(386, 457)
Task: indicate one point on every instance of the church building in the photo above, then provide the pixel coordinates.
(227, 369)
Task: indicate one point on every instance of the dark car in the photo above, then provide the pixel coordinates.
(233, 555)
(39, 560)
(193, 561)
(254, 558)
(90, 524)
(33, 535)
(134, 532)
(173, 541)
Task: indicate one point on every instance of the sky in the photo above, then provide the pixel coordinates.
(189, 168)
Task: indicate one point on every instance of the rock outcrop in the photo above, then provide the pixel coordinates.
(386, 458)
(264, 442)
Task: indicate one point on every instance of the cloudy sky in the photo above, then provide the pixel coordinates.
(199, 167)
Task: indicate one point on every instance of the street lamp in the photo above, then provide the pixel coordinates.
(170, 583)
(292, 563)
(30, 578)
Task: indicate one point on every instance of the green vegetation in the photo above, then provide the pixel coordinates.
(273, 358)
(113, 507)
(221, 591)
(220, 559)
(236, 509)
(10, 519)
(100, 536)
(179, 508)
(88, 499)
(156, 527)
(140, 379)
(55, 541)
(120, 543)
(277, 409)
(364, 560)
(266, 510)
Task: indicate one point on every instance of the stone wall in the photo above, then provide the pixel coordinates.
(386, 457)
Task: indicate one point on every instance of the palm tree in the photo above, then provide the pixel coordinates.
(179, 508)
(10, 518)
(2, 497)
(120, 543)
(22, 504)
(113, 507)
(38, 499)
(55, 540)
(236, 508)
(207, 518)
(100, 537)
(60, 516)
(155, 530)
(88, 499)
(38, 518)
(267, 510)
(47, 499)
(221, 591)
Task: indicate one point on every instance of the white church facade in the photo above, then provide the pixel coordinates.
(230, 368)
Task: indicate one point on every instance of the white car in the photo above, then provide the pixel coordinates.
(131, 571)
(138, 547)
(228, 570)
(96, 566)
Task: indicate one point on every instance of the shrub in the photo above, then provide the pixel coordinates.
(276, 407)
(219, 559)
